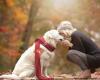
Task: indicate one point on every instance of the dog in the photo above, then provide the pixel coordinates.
(26, 65)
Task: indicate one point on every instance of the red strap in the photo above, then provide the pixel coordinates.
(45, 44)
(39, 73)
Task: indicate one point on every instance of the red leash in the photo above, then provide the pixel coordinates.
(38, 70)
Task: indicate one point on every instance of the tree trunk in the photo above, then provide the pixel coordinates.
(3, 13)
(27, 34)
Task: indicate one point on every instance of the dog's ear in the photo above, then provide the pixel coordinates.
(53, 34)
(48, 35)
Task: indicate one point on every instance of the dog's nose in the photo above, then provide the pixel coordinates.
(61, 39)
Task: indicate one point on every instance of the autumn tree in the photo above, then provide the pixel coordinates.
(28, 30)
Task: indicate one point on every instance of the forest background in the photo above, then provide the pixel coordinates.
(22, 21)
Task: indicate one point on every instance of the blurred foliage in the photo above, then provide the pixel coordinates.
(17, 20)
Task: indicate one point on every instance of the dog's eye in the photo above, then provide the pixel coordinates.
(60, 39)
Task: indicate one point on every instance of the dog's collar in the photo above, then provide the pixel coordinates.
(45, 44)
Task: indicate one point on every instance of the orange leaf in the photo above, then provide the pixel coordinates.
(10, 3)
(20, 16)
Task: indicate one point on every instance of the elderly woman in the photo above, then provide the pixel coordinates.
(84, 52)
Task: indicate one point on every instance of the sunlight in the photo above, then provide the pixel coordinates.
(64, 3)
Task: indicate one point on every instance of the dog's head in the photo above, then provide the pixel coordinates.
(53, 36)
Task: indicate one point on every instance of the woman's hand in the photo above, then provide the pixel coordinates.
(66, 43)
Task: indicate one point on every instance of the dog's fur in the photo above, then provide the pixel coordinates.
(25, 67)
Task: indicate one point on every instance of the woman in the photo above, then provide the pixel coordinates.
(84, 52)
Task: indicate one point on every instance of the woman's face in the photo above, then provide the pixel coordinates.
(65, 33)
(67, 38)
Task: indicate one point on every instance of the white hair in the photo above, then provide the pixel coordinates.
(65, 25)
